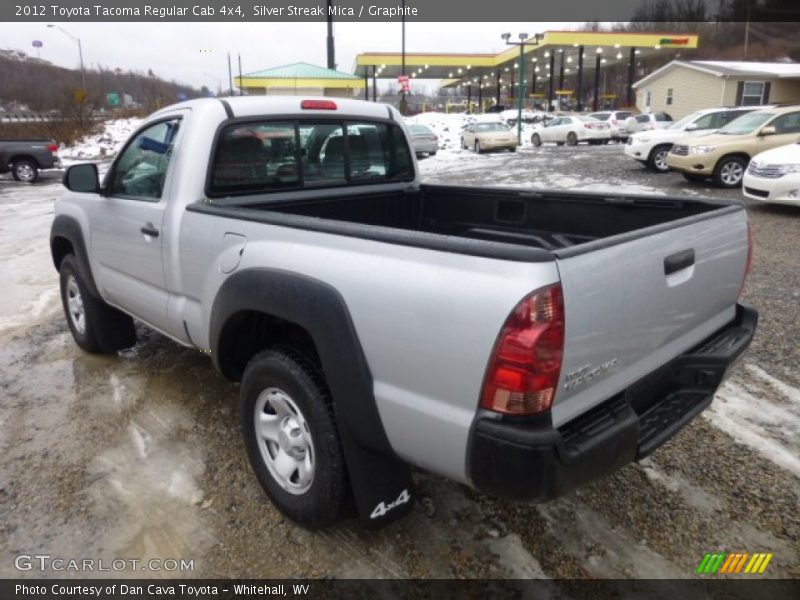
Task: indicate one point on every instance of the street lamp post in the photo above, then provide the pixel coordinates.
(523, 41)
(80, 53)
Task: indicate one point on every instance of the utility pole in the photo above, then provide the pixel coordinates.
(230, 76)
(331, 50)
(403, 60)
(241, 87)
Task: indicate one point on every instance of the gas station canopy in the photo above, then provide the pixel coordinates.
(556, 53)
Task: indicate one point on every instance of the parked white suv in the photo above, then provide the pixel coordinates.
(651, 147)
(646, 122)
(774, 176)
(616, 122)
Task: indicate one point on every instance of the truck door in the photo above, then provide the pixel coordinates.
(127, 237)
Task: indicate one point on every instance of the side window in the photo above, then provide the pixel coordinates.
(662, 117)
(142, 167)
(730, 115)
(255, 156)
(788, 123)
(643, 118)
(707, 121)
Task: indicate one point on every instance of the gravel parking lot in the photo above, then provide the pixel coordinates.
(139, 456)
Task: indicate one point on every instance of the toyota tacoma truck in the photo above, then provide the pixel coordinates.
(519, 341)
(25, 158)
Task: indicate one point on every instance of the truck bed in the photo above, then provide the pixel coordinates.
(544, 220)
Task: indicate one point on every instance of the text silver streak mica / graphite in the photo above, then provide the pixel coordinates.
(413, 284)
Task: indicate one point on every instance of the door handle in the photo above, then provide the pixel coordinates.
(678, 261)
(149, 230)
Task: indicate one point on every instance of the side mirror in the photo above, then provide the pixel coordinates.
(82, 178)
(691, 127)
(768, 130)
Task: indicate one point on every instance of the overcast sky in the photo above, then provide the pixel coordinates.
(173, 50)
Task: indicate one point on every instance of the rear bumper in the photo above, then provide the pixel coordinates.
(530, 459)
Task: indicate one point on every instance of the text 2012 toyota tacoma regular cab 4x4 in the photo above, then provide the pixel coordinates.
(519, 341)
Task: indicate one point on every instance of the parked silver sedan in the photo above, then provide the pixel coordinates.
(423, 140)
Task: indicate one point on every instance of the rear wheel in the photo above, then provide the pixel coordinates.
(512, 148)
(572, 139)
(477, 147)
(536, 140)
(657, 160)
(730, 171)
(291, 438)
(559, 143)
(25, 170)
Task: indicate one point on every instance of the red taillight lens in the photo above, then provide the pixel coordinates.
(318, 105)
(523, 371)
(53, 148)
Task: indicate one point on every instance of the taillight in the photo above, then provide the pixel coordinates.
(53, 148)
(523, 370)
(318, 105)
(749, 264)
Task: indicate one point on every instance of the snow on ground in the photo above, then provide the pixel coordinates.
(762, 412)
(101, 145)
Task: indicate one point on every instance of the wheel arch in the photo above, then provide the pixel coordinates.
(66, 237)
(313, 308)
(30, 157)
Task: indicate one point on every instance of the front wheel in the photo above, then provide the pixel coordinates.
(477, 147)
(536, 140)
(291, 439)
(657, 160)
(95, 326)
(572, 139)
(730, 171)
(25, 171)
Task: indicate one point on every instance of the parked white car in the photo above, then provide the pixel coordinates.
(571, 130)
(651, 147)
(647, 122)
(774, 176)
(616, 122)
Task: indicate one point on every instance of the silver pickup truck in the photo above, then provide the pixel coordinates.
(516, 340)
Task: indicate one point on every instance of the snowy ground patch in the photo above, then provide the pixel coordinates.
(101, 145)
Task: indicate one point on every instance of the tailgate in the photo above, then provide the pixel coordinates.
(632, 306)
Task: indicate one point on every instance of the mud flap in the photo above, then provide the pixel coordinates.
(381, 483)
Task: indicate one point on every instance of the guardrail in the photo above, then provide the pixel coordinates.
(44, 118)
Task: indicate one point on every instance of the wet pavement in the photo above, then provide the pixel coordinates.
(139, 456)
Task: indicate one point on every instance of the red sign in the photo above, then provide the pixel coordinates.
(405, 86)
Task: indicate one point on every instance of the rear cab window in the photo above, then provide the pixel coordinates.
(279, 155)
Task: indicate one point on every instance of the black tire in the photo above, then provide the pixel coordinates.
(290, 372)
(729, 171)
(572, 139)
(25, 170)
(559, 143)
(102, 329)
(512, 148)
(536, 140)
(478, 147)
(657, 159)
(694, 177)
